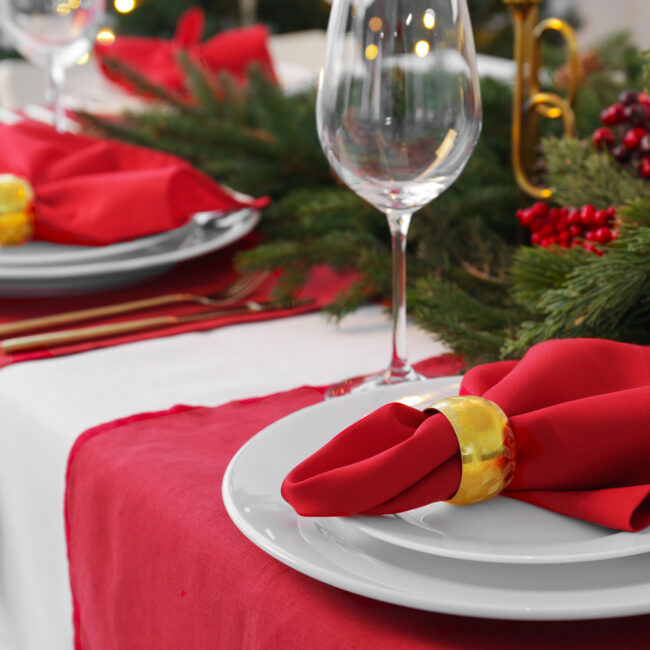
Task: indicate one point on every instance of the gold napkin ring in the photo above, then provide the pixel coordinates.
(487, 446)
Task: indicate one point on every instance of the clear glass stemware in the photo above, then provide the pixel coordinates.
(52, 34)
(398, 115)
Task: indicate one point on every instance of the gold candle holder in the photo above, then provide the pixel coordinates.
(528, 101)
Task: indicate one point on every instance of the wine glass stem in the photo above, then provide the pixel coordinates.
(56, 81)
(399, 224)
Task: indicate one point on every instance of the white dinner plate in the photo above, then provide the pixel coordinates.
(501, 530)
(43, 253)
(342, 554)
(60, 279)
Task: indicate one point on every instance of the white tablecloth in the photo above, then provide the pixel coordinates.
(45, 405)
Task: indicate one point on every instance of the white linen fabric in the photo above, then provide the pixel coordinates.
(46, 405)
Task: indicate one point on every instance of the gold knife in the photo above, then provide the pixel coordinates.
(81, 334)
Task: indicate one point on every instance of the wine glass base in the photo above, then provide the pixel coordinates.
(366, 383)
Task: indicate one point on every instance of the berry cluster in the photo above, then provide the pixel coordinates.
(569, 227)
(631, 119)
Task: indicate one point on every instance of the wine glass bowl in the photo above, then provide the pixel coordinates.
(52, 34)
(398, 116)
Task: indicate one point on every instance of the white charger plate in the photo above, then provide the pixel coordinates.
(62, 279)
(341, 554)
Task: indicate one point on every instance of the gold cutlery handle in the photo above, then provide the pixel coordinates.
(53, 339)
(67, 318)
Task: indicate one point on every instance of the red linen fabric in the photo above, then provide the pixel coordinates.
(93, 191)
(203, 276)
(580, 412)
(156, 564)
(156, 59)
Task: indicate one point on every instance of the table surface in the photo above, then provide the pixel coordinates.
(46, 404)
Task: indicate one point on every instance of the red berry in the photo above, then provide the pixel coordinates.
(591, 235)
(602, 137)
(561, 224)
(573, 218)
(601, 218)
(621, 153)
(644, 145)
(540, 209)
(614, 114)
(553, 215)
(575, 231)
(599, 252)
(636, 114)
(547, 230)
(589, 246)
(611, 212)
(633, 137)
(587, 215)
(564, 238)
(644, 98)
(535, 238)
(644, 167)
(603, 235)
(628, 97)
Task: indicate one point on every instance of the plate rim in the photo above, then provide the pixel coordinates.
(220, 239)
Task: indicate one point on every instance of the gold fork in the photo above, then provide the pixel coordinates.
(238, 290)
(83, 334)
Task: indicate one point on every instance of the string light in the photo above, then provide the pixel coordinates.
(84, 59)
(63, 9)
(429, 19)
(124, 6)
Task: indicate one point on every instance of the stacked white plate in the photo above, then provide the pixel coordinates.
(43, 268)
(501, 559)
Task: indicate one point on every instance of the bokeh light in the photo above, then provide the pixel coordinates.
(371, 52)
(106, 36)
(124, 6)
(422, 49)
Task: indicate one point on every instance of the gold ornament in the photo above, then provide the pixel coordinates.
(16, 211)
(487, 446)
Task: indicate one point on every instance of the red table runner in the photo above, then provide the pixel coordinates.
(204, 275)
(156, 563)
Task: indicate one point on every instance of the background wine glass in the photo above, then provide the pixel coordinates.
(398, 115)
(52, 34)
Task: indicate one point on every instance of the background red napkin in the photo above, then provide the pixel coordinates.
(580, 411)
(156, 563)
(156, 59)
(95, 191)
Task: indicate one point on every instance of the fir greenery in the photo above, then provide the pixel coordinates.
(471, 281)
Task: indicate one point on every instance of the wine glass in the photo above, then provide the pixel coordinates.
(52, 34)
(398, 115)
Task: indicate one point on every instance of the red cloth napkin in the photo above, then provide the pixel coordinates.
(94, 191)
(204, 275)
(156, 59)
(580, 411)
(155, 561)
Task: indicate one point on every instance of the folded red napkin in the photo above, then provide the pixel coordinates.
(156, 59)
(94, 191)
(580, 412)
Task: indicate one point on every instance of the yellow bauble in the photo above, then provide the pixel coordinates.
(16, 214)
(16, 227)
